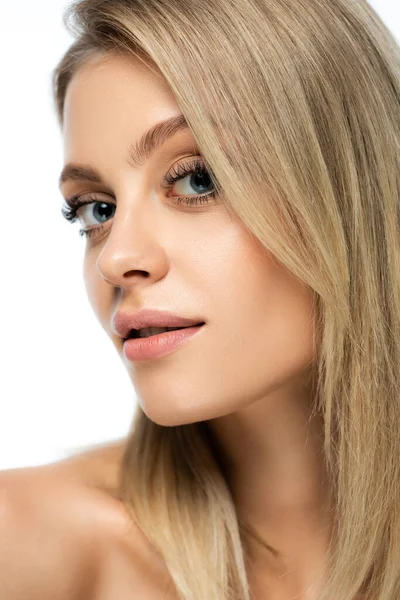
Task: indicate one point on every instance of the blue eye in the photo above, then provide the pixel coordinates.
(89, 205)
(198, 177)
(77, 208)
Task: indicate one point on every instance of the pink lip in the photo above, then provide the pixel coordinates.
(123, 323)
(156, 346)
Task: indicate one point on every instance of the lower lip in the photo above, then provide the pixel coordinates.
(158, 345)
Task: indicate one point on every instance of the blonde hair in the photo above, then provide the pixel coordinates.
(295, 106)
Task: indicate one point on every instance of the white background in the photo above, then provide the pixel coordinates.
(62, 383)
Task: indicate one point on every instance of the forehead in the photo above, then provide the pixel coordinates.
(106, 87)
(119, 73)
(110, 101)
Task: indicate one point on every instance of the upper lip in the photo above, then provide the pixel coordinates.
(123, 323)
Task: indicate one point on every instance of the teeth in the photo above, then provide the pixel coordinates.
(148, 331)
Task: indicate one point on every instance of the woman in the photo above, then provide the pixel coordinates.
(235, 169)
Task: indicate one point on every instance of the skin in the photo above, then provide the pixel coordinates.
(249, 371)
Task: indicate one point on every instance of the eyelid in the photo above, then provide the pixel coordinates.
(177, 167)
(177, 172)
(88, 197)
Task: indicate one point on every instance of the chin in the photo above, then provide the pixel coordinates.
(171, 416)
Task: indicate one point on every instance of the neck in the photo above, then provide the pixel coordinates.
(272, 457)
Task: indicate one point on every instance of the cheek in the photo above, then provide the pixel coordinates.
(265, 328)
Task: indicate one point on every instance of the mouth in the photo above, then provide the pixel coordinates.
(154, 331)
(152, 343)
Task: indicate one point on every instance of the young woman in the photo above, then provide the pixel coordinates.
(234, 166)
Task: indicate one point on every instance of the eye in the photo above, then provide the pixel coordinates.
(192, 180)
(200, 181)
(95, 212)
(90, 210)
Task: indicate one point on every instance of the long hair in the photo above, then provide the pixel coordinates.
(294, 104)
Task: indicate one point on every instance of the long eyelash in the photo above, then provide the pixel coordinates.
(70, 209)
(182, 171)
(69, 212)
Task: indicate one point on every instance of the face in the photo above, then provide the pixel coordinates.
(150, 248)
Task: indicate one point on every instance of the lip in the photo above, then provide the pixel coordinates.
(156, 346)
(123, 323)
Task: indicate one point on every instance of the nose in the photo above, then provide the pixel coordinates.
(133, 252)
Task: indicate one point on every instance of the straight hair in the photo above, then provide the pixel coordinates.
(294, 104)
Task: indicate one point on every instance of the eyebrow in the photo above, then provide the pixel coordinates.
(138, 153)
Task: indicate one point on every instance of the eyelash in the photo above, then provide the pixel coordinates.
(69, 211)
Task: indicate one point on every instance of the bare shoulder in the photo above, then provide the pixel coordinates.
(47, 548)
(64, 534)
